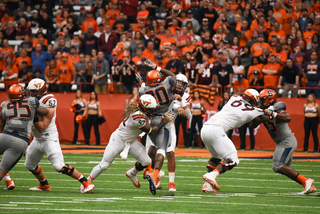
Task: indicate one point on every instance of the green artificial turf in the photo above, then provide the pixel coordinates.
(251, 187)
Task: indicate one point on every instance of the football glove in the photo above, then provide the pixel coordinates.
(151, 64)
(270, 113)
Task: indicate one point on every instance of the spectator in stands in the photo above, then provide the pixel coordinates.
(121, 26)
(271, 73)
(290, 77)
(237, 68)
(127, 73)
(89, 42)
(175, 65)
(205, 27)
(28, 12)
(297, 58)
(299, 36)
(26, 44)
(24, 72)
(257, 48)
(34, 19)
(96, 7)
(192, 68)
(137, 42)
(138, 57)
(100, 74)
(311, 74)
(89, 23)
(66, 74)
(241, 84)
(51, 75)
(311, 112)
(113, 13)
(80, 69)
(315, 39)
(101, 15)
(154, 39)
(73, 56)
(71, 26)
(210, 15)
(304, 19)
(75, 41)
(148, 53)
(23, 58)
(82, 16)
(93, 109)
(130, 8)
(167, 41)
(50, 50)
(5, 19)
(205, 73)
(100, 31)
(281, 56)
(124, 41)
(223, 74)
(23, 29)
(257, 80)
(66, 6)
(207, 43)
(3, 8)
(10, 72)
(181, 40)
(264, 56)
(94, 54)
(39, 59)
(36, 40)
(63, 36)
(107, 42)
(62, 46)
(198, 52)
(9, 32)
(45, 22)
(190, 18)
(88, 74)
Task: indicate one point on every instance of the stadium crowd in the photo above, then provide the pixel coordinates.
(101, 44)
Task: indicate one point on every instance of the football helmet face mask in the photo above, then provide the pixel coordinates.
(16, 92)
(267, 97)
(251, 96)
(182, 83)
(153, 78)
(147, 104)
(37, 88)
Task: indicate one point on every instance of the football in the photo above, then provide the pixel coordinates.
(176, 9)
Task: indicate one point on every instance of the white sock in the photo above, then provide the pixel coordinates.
(7, 178)
(171, 177)
(214, 174)
(133, 171)
(81, 176)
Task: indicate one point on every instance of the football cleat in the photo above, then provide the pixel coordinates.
(172, 187)
(208, 188)
(307, 187)
(152, 186)
(160, 176)
(210, 179)
(41, 188)
(87, 186)
(146, 172)
(312, 189)
(133, 178)
(9, 185)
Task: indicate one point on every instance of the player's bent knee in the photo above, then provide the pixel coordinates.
(162, 152)
(145, 161)
(36, 171)
(104, 165)
(229, 164)
(276, 168)
(170, 155)
(66, 169)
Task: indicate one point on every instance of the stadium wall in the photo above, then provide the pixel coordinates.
(112, 106)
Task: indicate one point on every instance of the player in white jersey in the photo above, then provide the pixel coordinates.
(180, 107)
(124, 138)
(46, 141)
(236, 112)
(276, 121)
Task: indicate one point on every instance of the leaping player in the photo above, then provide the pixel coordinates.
(46, 141)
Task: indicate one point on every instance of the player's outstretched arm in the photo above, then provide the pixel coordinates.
(256, 121)
(165, 119)
(165, 72)
(283, 116)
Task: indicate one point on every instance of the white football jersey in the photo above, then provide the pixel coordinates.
(186, 98)
(47, 101)
(234, 113)
(129, 129)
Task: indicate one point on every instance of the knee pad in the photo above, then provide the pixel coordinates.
(37, 170)
(67, 170)
(104, 165)
(212, 164)
(58, 167)
(139, 166)
(228, 164)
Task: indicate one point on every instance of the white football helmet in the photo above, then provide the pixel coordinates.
(37, 88)
(251, 96)
(182, 83)
(147, 103)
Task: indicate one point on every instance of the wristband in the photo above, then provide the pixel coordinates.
(183, 103)
(158, 69)
(275, 114)
(161, 124)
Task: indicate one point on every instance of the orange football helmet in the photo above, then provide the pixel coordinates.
(16, 93)
(153, 78)
(267, 97)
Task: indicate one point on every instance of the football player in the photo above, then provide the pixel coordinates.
(135, 121)
(46, 141)
(162, 91)
(236, 112)
(180, 107)
(276, 122)
(16, 119)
